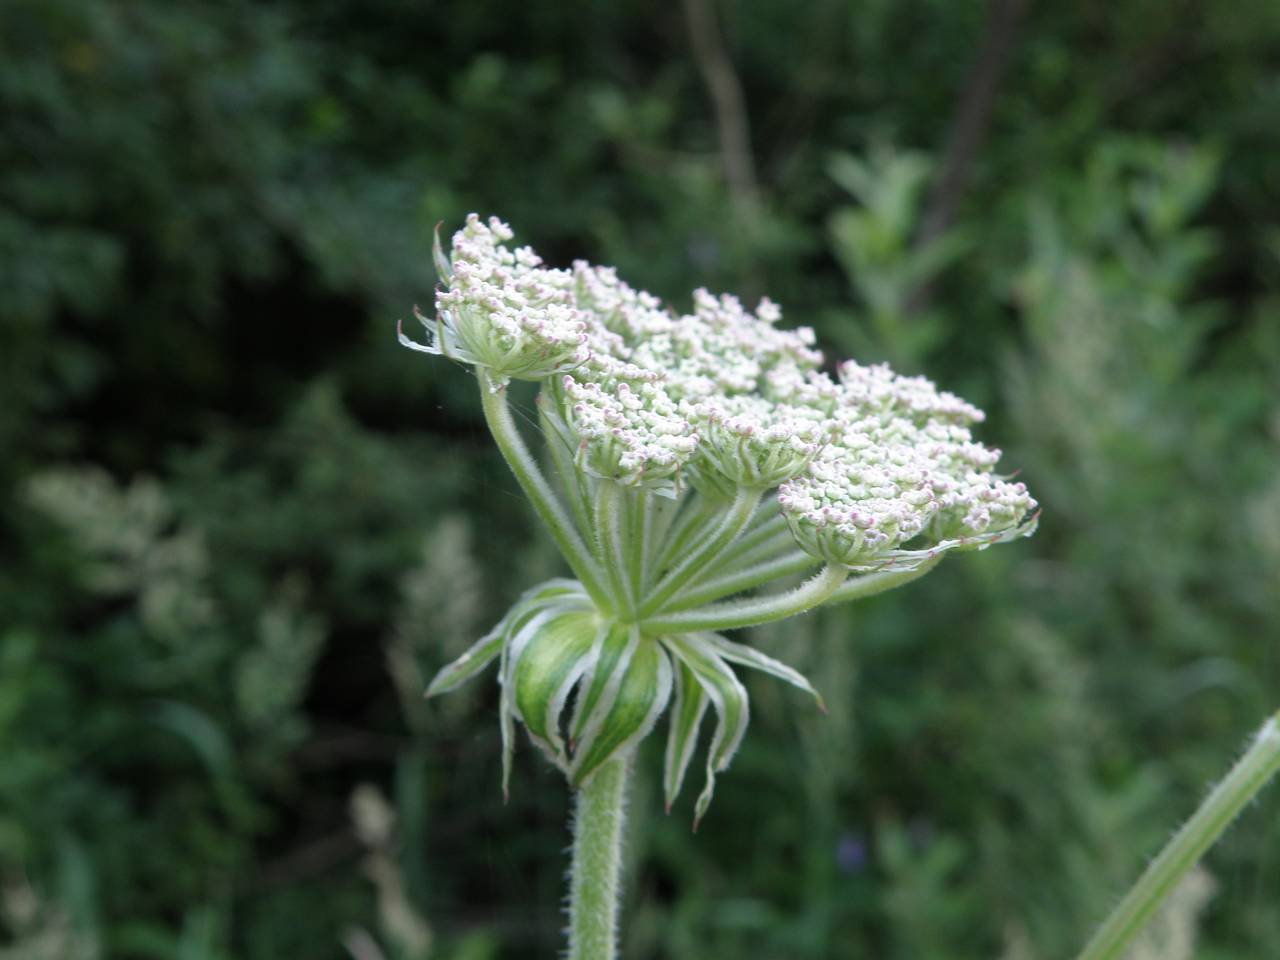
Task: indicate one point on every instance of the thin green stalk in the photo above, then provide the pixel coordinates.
(575, 483)
(697, 513)
(665, 512)
(750, 613)
(747, 579)
(761, 531)
(736, 559)
(599, 819)
(1253, 771)
(869, 584)
(653, 508)
(497, 414)
(735, 518)
(611, 530)
(640, 516)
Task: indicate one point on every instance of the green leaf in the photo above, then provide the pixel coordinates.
(751, 657)
(682, 738)
(545, 670)
(629, 705)
(728, 697)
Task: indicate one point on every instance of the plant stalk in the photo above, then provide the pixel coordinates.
(752, 612)
(594, 880)
(611, 529)
(1253, 771)
(497, 414)
(734, 519)
(869, 584)
(747, 579)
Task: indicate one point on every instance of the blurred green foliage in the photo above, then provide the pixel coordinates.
(239, 526)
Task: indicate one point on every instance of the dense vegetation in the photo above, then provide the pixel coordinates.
(239, 525)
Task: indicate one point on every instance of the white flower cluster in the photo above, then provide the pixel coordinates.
(721, 377)
(504, 311)
(724, 398)
(632, 433)
(903, 464)
(749, 440)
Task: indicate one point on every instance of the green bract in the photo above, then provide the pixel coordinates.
(698, 458)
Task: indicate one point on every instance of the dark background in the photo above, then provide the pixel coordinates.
(239, 526)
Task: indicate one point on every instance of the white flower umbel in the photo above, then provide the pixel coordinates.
(501, 310)
(697, 458)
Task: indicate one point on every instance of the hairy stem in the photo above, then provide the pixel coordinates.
(746, 579)
(749, 613)
(766, 525)
(735, 518)
(611, 529)
(666, 515)
(594, 878)
(696, 514)
(576, 484)
(736, 559)
(497, 414)
(869, 584)
(1253, 771)
(642, 513)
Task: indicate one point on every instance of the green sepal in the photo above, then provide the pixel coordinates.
(682, 736)
(520, 624)
(728, 698)
(545, 671)
(511, 650)
(751, 657)
(612, 651)
(485, 650)
(478, 656)
(628, 707)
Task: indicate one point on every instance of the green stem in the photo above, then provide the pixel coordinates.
(665, 513)
(575, 483)
(594, 877)
(762, 533)
(735, 518)
(735, 559)
(746, 579)
(869, 584)
(610, 529)
(497, 414)
(1259, 764)
(697, 512)
(750, 613)
(640, 511)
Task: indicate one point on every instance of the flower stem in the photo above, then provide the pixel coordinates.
(767, 525)
(735, 518)
(694, 514)
(750, 613)
(642, 515)
(739, 581)
(1259, 764)
(575, 484)
(594, 878)
(869, 584)
(611, 531)
(497, 414)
